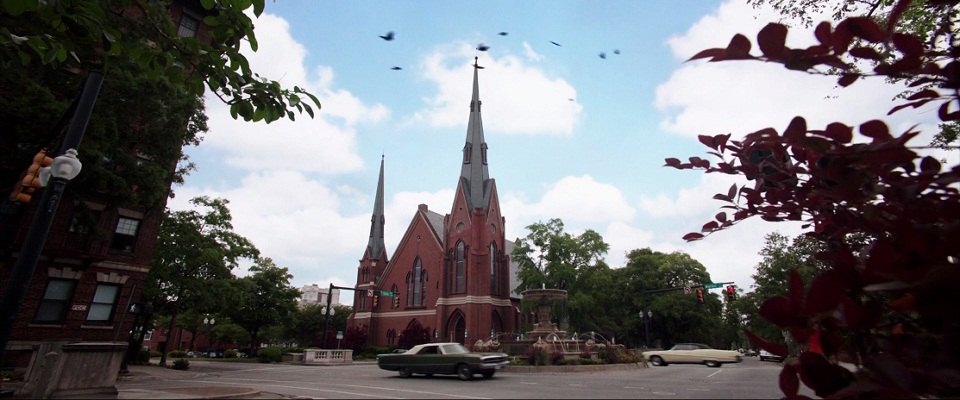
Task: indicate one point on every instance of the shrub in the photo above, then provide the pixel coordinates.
(143, 357)
(371, 352)
(181, 363)
(177, 354)
(537, 356)
(232, 353)
(155, 354)
(556, 358)
(269, 354)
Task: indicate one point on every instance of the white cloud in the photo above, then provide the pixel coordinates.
(574, 199)
(324, 144)
(517, 98)
(739, 97)
(530, 53)
(697, 200)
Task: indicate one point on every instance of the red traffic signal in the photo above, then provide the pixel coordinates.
(732, 292)
(700, 296)
(24, 189)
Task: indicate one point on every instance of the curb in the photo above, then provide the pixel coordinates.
(526, 369)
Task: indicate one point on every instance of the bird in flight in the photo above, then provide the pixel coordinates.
(502, 34)
(617, 51)
(388, 37)
(555, 43)
(603, 55)
(483, 47)
(396, 68)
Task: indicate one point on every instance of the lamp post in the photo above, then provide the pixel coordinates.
(645, 317)
(64, 168)
(60, 173)
(209, 321)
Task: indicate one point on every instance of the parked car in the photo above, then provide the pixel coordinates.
(766, 355)
(691, 353)
(443, 359)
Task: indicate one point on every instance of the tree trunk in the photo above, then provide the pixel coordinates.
(193, 339)
(163, 351)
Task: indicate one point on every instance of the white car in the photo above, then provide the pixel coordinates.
(766, 355)
(692, 353)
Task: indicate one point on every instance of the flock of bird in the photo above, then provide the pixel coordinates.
(389, 36)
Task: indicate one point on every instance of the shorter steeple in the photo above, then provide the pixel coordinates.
(375, 246)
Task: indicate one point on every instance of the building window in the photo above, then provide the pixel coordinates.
(391, 337)
(147, 336)
(460, 269)
(125, 236)
(55, 302)
(188, 26)
(416, 285)
(494, 286)
(101, 308)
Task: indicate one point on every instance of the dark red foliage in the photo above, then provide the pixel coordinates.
(887, 300)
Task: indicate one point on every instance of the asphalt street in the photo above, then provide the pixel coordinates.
(749, 379)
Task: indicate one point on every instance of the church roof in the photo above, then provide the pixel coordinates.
(436, 222)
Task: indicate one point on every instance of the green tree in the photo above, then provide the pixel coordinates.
(549, 257)
(263, 299)
(677, 317)
(307, 325)
(193, 260)
(76, 35)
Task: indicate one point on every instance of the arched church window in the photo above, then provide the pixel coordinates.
(417, 282)
(494, 276)
(460, 269)
(393, 289)
(409, 289)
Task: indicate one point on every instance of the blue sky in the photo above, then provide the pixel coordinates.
(570, 135)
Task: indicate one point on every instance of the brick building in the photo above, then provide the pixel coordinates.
(89, 274)
(451, 273)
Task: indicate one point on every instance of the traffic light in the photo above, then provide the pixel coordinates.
(31, 178)
(700, 295)
(396, 301)
(376, 300)
(731, 292)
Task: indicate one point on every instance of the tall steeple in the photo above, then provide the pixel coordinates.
(474, 170)
(375, 245)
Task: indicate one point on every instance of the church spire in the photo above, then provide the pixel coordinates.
(375, 246)
(474, 171)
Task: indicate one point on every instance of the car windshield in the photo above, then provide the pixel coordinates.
(455, 348)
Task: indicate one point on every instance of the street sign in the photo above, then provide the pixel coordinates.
(686, 290)
(387, 293)
(369, 292)
(339, 335)
(712, 285)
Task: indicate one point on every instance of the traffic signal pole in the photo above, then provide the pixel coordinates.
(46, 209)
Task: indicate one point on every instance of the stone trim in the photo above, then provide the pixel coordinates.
(100, 327)
(451, 301)
(64, 273)
(112, 277)
(121, 266)
(123, 212)
(416, 313)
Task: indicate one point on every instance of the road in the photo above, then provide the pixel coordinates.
(749, 379)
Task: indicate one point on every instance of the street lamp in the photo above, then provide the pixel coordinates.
(209, 321)
(64, 168)
(645, 317)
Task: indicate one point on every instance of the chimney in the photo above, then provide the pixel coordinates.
(422, 208)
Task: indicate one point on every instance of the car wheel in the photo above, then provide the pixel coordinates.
(428, 375)
(487, 374)
(762, 358)
(464, 372)
(405, 373)
(656, 360)
(712, 363)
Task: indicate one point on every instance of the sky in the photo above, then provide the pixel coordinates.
(571, 135)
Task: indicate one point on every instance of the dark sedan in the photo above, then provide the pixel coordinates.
(443, 359)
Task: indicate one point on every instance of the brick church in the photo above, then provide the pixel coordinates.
(451, 273)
